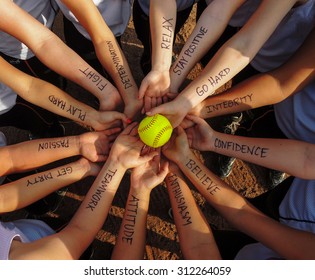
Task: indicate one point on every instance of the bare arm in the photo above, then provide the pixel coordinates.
(32, 154)
(272, 153)
(108, 52)
(131, 239)
(282, 82)
(71, 242)
(195, 236)
(23, 192)
(53, 99)
(236, 210)
(50, 49)
(207, 31)
(231, 58)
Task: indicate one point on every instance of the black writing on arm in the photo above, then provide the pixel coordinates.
(49, 175)
(95, 78)
(244, 149)
(167, 34)
(213, 81)
(101, 189)
(181, 203)
(123, 75)
(70, 109)
(202, 177)
(52, 145)
(246, 99)
(189, 51)
(130, 220)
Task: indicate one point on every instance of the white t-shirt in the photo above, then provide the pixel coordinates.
(116, 14)
(181, 5)
(297, 210)
(43, 11)
(25, 230)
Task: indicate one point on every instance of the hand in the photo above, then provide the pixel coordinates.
(177, 146)
(200, 134)
(155, 84)
(149, 174)
(109, 119)
(111, 101)
(133, 109)
(95, 146)
(127, 148)
(152, 102)
(92, 169)
(172, 110)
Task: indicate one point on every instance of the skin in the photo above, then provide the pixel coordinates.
(52, 51)
(130, 243)
(90, 216)
(105, 42)
(195, 236)
(231, 58)
(57, 101)
(282, 83)
(156, 83)
(287, 242)
(93, 147)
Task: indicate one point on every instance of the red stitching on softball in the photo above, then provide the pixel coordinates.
(149, 125)
(159, 135)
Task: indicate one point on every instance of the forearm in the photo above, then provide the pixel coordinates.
(247, 95)
(162, 26)
(207, 31)
(131, 239)
(23, 192)
(32, 154)
(272, 153)
(94, 209)
(243, 216)
(114, 61)
(195, 235)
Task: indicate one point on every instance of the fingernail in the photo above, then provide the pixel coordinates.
(129, 120)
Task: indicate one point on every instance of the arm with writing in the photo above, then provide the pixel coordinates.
(230, 59)
(291, 156)
(71, 241)
(54, 53)
(131, 239)
(32, 154)
(207, 31)
(50, 97)
(162, 26)
(23, 192)
(195, 236)
(287, 242)
(108, 52)
(267, 88)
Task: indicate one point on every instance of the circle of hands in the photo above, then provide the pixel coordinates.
(117, 136)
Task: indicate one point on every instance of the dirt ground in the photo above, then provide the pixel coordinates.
(162, 239)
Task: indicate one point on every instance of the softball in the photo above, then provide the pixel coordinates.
(155, 131)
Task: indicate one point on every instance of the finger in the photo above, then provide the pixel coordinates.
(186, 123)
(159, 101)
(153, 102)
(143, 88)
(112, 131)
(147, 103)
(129, 128)
(165, 98)
(195, 119)
(134, 130)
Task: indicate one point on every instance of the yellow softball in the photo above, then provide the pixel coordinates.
(155, 131)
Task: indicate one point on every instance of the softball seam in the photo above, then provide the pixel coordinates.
(159, 135)
(149, 125)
